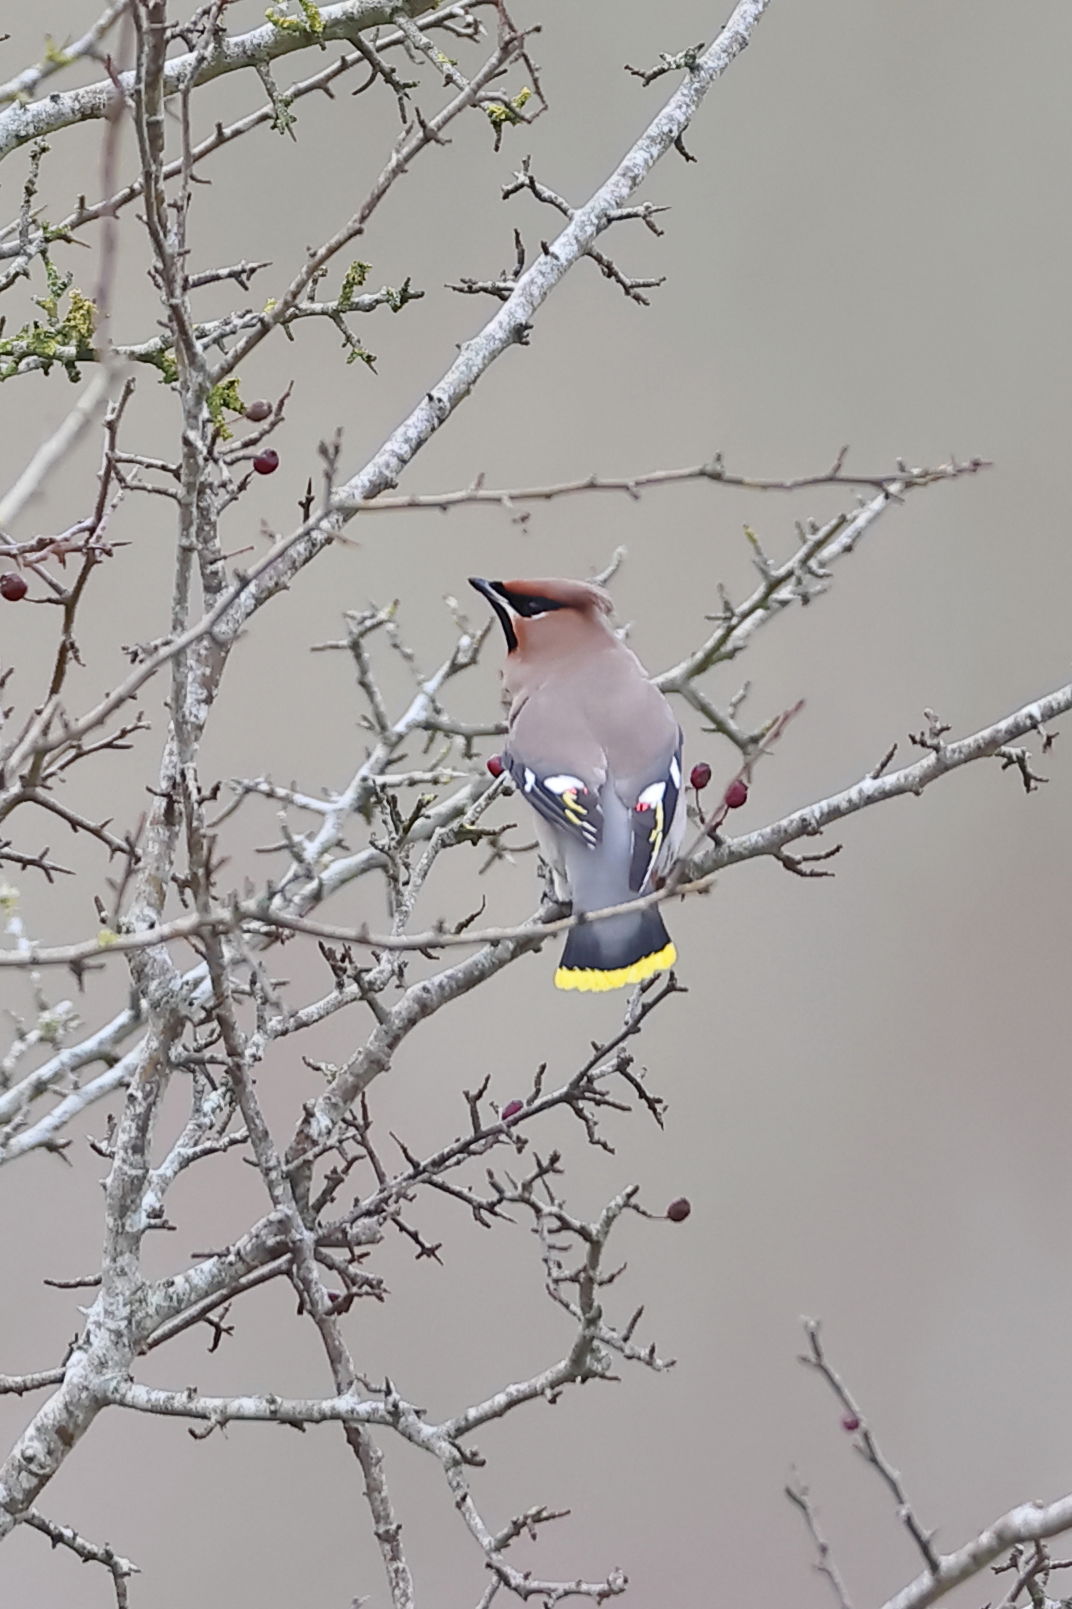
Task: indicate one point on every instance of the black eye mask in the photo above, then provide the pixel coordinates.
(524, 604)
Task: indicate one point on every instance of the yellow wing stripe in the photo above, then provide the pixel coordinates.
(573, 809)
(595, 979)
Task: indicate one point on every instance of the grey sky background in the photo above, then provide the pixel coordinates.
(868, 1077)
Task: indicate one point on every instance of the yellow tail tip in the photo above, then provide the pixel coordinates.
(595, 979)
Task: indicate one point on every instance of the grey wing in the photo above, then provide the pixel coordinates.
(657, 818)
(561, 798)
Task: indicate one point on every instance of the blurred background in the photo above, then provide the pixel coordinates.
(867, 1081)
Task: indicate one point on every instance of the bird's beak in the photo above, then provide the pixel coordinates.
(491, 591)
(487, 588)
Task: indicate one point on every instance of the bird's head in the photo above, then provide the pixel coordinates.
(534, 612)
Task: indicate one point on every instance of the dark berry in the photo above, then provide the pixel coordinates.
(12, 586)
(510, 1110)
(679, 1210)
(700, 776)
(258, 412)
(495, 765)
(850, 1423)
(736, 794)
(267, 462)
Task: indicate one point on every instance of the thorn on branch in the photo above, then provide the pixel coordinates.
(1021, 758)
(884, 763)
(681, 61)
(798, 864)
(932, 737)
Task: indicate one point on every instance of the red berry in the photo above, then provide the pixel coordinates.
(736, 794)
(679, 1210)
(258, 412)
(12, 586)
(850, 1423)
(700, 776)
(510, 1110)
(267, 462)
(495, 765)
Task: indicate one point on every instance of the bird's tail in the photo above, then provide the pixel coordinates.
(615, 951)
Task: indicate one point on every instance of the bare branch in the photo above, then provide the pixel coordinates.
(633, 485)
(88, 1552)
(1030, 1522)
(856, 1425)
(34, 121)
(800, 1497)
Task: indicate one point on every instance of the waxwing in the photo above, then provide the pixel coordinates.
(595, 749)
